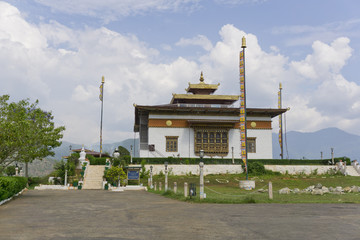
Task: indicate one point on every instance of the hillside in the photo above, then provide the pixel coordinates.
(309, 145)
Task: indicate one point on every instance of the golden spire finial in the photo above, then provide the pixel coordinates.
(103, 79)
(243, 45)
(201, 77)
(280, 86)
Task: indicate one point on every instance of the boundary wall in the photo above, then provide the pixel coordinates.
(182, 169)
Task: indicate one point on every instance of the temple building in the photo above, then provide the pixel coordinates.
(201, 120)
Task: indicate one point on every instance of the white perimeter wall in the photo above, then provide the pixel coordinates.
(178, 169)
(299, 169)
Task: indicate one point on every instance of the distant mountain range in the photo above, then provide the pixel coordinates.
(309, 145)
(109, 148)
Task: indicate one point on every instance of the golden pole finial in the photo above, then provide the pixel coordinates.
(243, 45)
(103, 79)
(201, 77)
(280, 86)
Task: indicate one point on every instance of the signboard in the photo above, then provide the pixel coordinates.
(133, 175)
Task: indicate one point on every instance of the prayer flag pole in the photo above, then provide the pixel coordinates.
(102, 107)
(243, 127)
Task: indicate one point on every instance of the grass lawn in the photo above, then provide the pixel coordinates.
(225, 188)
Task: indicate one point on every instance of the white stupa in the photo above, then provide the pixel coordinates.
(116, 154)
(82, 158)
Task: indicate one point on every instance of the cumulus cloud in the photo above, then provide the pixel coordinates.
(199, 40)
(314, 88)
(62, 67)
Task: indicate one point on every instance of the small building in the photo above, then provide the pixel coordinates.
(201, 120)
(91, 152)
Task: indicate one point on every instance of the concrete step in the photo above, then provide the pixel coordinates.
(351, 171)
(94, 177)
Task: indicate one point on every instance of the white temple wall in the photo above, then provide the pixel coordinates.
(157, 136)
(263, 143)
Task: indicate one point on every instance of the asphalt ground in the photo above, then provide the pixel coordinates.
(96, 214)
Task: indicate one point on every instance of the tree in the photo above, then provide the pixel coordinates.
(114, 174)
(26, 132)
(123, 151)
(10, 170)
(60, 168)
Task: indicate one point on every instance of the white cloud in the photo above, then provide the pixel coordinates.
(62, 67)
(15, 29)
(199, 40)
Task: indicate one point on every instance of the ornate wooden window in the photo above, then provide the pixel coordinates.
(172, 143)
(213, 141)
(251, 145)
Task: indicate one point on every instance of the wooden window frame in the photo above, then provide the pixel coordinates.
(215, 143)
(251, 140)
(171, 144)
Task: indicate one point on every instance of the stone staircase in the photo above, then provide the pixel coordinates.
(94, 177)
(351, 171)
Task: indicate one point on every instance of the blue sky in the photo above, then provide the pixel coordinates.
(56, 51)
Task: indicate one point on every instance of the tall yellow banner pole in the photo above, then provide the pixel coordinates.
(280, 123)
(243, 127)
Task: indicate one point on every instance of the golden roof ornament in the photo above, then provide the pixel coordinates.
(201, 77)
(243, 45)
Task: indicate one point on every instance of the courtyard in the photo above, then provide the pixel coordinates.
(97, 214)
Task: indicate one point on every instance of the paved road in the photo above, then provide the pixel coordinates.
(94, 214)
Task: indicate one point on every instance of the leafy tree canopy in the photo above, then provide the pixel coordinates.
(26, 132)
(123, 151)
(114, 174)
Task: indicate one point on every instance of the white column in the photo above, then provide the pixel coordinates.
(270, 191)
(201, 180)
(151, 177)
(185, 189)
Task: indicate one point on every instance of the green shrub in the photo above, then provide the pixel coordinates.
(10, 170)
(75, 183)
(143, 172)
(37, 180)
(256, 168)
(97, 161)
(60, 168)
(115, 162)
(114, 174)
(9, 186)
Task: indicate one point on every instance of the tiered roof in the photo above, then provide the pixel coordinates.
(201, 93)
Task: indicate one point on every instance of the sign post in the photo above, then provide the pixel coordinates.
(133, 173)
